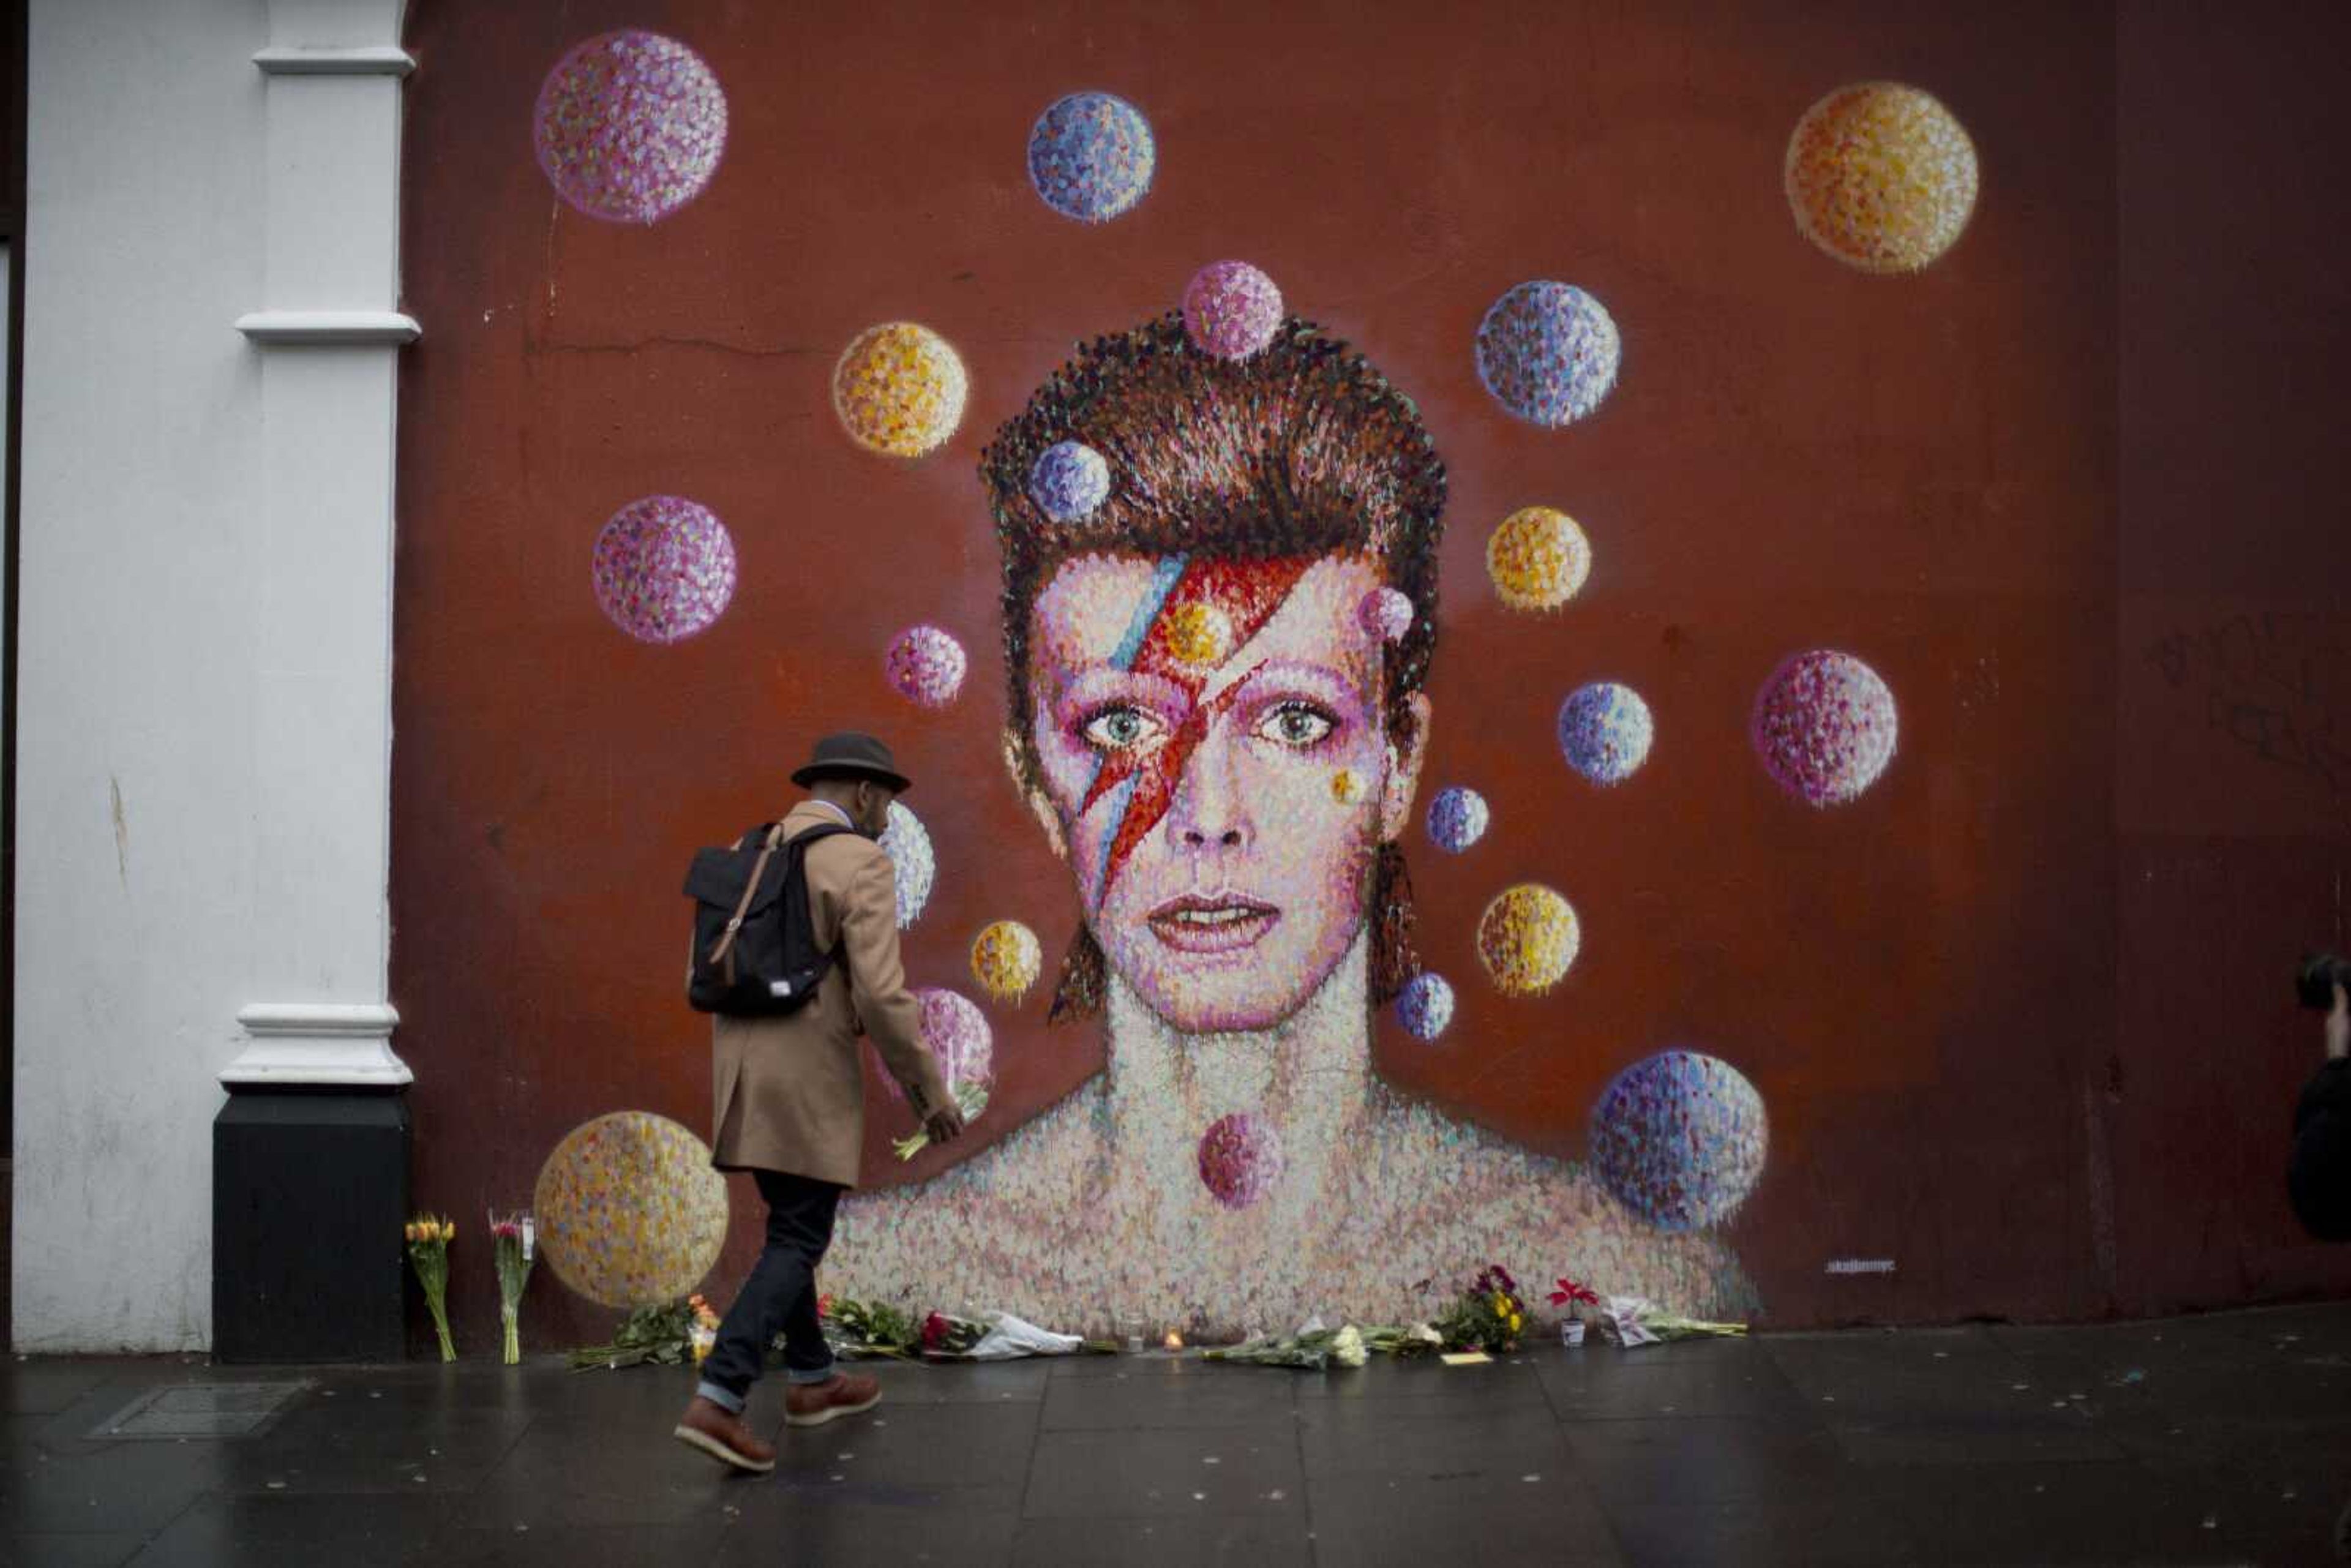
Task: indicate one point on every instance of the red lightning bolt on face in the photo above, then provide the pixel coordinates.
(1213, 612)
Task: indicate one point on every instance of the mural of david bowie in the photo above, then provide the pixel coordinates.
(1225, 755)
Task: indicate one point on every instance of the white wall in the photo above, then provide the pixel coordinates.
(142, 525)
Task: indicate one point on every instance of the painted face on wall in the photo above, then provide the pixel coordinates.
(1216, 768)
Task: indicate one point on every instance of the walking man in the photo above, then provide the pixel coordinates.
(790, 1104)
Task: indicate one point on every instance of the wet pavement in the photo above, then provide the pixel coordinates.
(2223, 1438)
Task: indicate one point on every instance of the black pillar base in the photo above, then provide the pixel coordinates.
(309, 1191)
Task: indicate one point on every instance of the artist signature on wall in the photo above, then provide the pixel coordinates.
(2276, 683)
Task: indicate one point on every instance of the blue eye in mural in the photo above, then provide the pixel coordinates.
(664, 568)
(1547, 352)
(1091, 156)
(1604, 731)
(1679, 1139)
(1825, 726)
(630, 127)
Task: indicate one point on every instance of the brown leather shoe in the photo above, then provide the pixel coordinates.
(844, 1394)
(720, 1433)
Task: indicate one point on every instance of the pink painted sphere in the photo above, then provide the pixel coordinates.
(1385, 613)
(926, 666)
(630, 127)
(1231, 310)
(1240, 1159)
(956, 1032)
(1825, 726)
(664, 568)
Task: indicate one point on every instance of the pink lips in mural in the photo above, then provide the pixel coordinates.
(1212, 923)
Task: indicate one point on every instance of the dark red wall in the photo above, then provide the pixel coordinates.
(2019, 1015)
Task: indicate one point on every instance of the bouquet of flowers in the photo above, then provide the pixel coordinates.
(1311, 1347)
(705, 1330)
(1486, 1316)
(1629, 1321)
(1574, 1297)
(428, 1254)
(956, 1032)
(1418, 1340)
(949, 1338)
(661, 1336)
(870, 1328)
(511, 1237)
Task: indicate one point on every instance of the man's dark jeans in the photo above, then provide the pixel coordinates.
(780, 1295)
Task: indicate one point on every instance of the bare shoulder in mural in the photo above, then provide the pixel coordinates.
(1220, 587)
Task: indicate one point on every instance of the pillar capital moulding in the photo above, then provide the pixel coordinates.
(328, 331)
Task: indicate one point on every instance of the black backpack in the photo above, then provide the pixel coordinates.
(755, 952)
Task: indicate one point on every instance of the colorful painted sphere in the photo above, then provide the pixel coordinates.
(664, 568)
(1069, 481)
(899, 389)
(1386, 613)
(1006, 959)
(1881, 176)
(629, 1212)
(1825, 726)
(1547, 352)
(1091, 156)
(1425, 1006)
(1528, 937)
(1680, 1139)
(1537, 558)
(1241, 1159)
(908, 845)
(1457, 819)
(1604, 731)
(630, 127)
(1231, 310)
(1198, 634)
(956, 1032)
(926, 666)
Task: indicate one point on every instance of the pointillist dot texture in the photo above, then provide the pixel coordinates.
(1070, 480)
(1424, 1006)
(926, 666)
(1680, 1139)
(1881, 176)
(1346, 786)
(1385, 613)
(1537, 558)
(1528, 937)
(629, 1211)
(630, 127)
(1231, 310)
(955, 1033)
(1457, 819)
(1006, 959)
(664, 568)
(1199, 633)
(908, 845)
(1547, 352)
(1091, 156)
(1241, 1159)
(899, 389)
(1604, 730)
(1823, 726)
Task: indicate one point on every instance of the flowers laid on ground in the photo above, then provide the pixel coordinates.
(1629, 1321)
(1310, 1347)
(512, 1238)
(428, 1253)
(1487, 1314)
(1574, 1296)
(945, 1335)
(858, 1328)
(659, 1336)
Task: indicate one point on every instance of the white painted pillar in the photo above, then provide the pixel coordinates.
(329, 331)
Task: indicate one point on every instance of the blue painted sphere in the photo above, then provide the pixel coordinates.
(1425, 1005)
(1680, 1139)
(1604, 731)
(1091, 156)
(1547, 352)
(1069, 480)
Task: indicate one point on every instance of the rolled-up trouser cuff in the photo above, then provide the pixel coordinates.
(724, 1398)
(810, 1374)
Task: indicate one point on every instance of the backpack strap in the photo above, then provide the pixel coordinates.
(759, 870)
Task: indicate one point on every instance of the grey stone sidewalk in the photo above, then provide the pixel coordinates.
(2215, 1440)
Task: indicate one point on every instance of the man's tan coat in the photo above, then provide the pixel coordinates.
(787, 1092)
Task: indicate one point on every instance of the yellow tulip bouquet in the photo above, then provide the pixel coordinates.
(428, 1253)
(1488, 1314)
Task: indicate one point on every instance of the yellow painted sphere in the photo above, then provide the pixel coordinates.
(1199, 633)
(899, 389)
(1538, 558)
(630, 1212)
(1881, 176)
(1006, 960)
(1528, 937)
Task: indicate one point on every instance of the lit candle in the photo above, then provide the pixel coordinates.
(1174, 1340)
